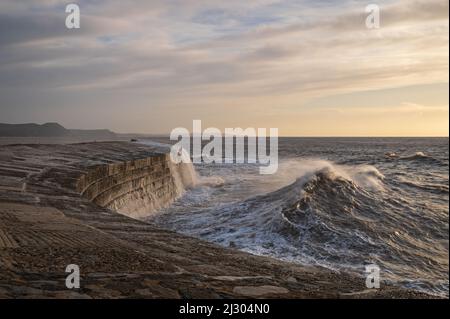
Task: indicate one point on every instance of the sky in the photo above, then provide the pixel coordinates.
(308, 68)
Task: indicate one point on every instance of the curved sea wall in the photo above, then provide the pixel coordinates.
(136, 188)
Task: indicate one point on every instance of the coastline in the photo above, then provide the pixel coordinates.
(47, 224)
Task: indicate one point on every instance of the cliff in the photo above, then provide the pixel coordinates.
(51, 130)
(71, 204)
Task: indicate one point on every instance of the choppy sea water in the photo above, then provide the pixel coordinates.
(340, 203)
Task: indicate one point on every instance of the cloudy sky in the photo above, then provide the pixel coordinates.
(310, 68)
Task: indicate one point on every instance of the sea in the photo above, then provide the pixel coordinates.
(339, 203)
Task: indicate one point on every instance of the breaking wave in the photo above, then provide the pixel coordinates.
(421, 157)
(341, 217)
(358, 207)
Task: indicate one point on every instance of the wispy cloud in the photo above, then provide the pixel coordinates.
(204, 55)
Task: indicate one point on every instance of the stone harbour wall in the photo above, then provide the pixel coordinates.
(134, 188)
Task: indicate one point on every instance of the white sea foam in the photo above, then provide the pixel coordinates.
(319, 212)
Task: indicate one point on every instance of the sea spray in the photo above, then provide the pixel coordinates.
(183, 173)
(337, 203)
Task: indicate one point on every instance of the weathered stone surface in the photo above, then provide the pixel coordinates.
(50, 217)
(259, 291)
